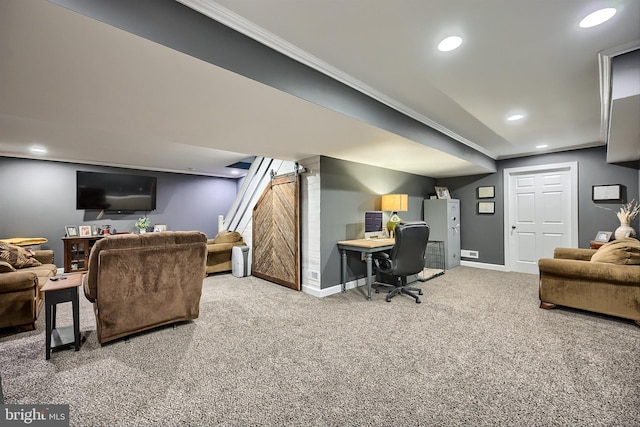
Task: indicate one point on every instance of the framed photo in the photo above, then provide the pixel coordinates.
(85, 230)
(71, 230)
(442, 192)
(486, 207)
(603, 236)
(160, 227)
(488, 192)
(606, 192)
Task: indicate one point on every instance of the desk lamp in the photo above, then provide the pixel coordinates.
(394, 203)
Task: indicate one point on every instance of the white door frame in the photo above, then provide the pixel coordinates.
(573, 228)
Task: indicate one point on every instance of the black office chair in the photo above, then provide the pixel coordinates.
(406, 258)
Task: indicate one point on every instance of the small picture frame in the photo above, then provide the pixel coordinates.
(486, 208)
(486, 192)
(603, 236)
(71, 230)
(159, 227)
(84, 230)
(442, 192)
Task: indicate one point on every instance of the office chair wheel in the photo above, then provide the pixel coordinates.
(420, 292)
(418, 300)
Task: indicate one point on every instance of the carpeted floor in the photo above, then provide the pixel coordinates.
(478, 351)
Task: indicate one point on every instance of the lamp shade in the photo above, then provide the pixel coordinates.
(395, 202)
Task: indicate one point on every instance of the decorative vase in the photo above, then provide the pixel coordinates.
(625, 230)
(143, 230)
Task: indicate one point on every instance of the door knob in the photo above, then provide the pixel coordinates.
(513, 227)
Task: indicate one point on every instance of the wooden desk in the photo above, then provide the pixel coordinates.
(363, 246)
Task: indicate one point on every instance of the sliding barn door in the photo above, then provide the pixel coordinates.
(276, 233)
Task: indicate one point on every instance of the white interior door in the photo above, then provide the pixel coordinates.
(542, 213)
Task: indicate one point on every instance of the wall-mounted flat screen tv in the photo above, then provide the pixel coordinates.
(115, 192)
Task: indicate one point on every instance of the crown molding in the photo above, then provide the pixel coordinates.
(249, 29)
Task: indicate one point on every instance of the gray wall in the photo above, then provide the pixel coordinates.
(39, 198)
(485, 233)
(348, 190)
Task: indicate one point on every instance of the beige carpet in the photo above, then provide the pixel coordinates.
(477, 352)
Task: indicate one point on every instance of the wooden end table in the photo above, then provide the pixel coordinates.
(55, 292)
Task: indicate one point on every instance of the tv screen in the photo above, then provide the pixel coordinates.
(115, 192)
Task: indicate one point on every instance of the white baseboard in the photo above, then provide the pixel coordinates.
(321, 293)
(483, 265)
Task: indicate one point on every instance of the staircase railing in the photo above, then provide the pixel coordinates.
(258, 177)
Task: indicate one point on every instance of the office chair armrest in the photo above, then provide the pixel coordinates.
(382, 261)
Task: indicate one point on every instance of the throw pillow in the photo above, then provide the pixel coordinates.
(622, 251)
(5, 267)
(17, 257)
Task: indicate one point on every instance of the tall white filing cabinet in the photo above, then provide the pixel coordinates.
(443, 217)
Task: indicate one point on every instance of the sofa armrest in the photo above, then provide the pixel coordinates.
(586, 270)
(17, 281)
(574, 253)
(45, 256)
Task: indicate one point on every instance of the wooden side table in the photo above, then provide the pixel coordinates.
(595, 245)
(64, 289)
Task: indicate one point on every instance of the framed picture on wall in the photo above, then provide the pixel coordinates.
(85, 230)
(160, 227)
(442, 192)
(71, 230)
(487, 192)
(606, 192)
(486, 207)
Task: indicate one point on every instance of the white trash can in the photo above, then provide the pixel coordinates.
(240, 261)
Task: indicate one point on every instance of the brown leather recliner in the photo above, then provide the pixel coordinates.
(139, 282)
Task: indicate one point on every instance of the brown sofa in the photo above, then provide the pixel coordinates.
(139, 282)
(604, 281)
(23, 273)
(219, 250)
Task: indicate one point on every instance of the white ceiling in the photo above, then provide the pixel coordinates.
(91, 93)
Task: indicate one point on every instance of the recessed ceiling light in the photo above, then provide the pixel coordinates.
(450, 43)
(515, 117)
(597, 17)
(234, 172)
(38, 150)
(542, 146)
